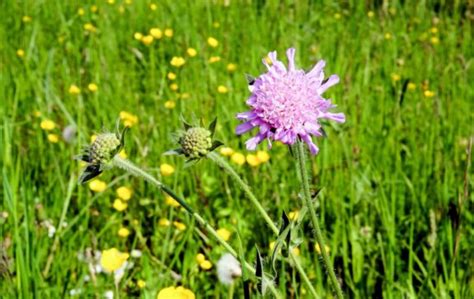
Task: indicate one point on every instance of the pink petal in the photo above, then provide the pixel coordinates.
(243, 128)
(312, 147)
(290, 53)
(333, 80)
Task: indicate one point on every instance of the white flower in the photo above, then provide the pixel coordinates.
(228, 268)
(75, 292)
(136, 253)
(109, 294)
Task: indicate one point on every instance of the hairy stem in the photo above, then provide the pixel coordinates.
(303, 176)
(137, 171)
(235, 176)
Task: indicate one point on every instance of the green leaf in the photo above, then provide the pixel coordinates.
(215, 144)
(212, 126)
(259, 271)
(173, 152)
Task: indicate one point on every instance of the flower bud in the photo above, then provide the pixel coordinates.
(196, 142)
(104, 148)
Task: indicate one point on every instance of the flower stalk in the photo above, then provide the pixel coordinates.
(235, 176)
(131, 168)
(303, 176)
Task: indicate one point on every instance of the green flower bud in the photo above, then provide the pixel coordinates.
(196, 142)
(104, 148)
(100, 153)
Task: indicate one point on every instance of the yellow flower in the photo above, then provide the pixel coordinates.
(200, 258)
(318, 250)
(153, 6)
(191, 52)
(80, 11)
(169, 32)
(111, 2)
(141, 284)
(124, 193)
(293, 215)
(171, 76)
(147, 40)
(263, 156)
(268, 60)
(164, 222)
(214, 59)
(222, 89)
(434, 30)
(411, 86)
(97, 185)
(93, 137)
(396, 77)
(216, 25)
(337, 16)
(370, 14)
(156, 33)
(238, 158)
(119, 205)
(47, 125)
(175, 293)
(128, 2)
(212, 42)
(252, 160)
(205, 265)
(296, 251)
(177, 61)
(429, 93)
(174, 87)
(224, 234)
(73, 89)
(37, 113)
(231, 67)
(388, 36)
(137, 36)
(226, 151)
(166, 169)
(170, 104)
(26, 19)
(112, 259)
(92, 87)
(434, 40)
(94, 8)
(20, 52)
(123, 154)
(185, 95)
(272, 245)
(171, 201)
(123, 232)
(128, 118)
(89, 27)
(53, 138)
(179, 225)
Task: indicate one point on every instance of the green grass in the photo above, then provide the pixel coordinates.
(397, 164)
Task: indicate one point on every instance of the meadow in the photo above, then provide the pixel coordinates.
(393, 181)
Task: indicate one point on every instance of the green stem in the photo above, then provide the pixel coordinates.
(303, 175)
(234, 175)
(137, 171)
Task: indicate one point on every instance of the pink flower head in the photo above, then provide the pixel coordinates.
(288, 103)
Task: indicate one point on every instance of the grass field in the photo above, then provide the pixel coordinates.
(395, 203)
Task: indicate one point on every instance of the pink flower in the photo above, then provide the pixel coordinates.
(287, 104)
